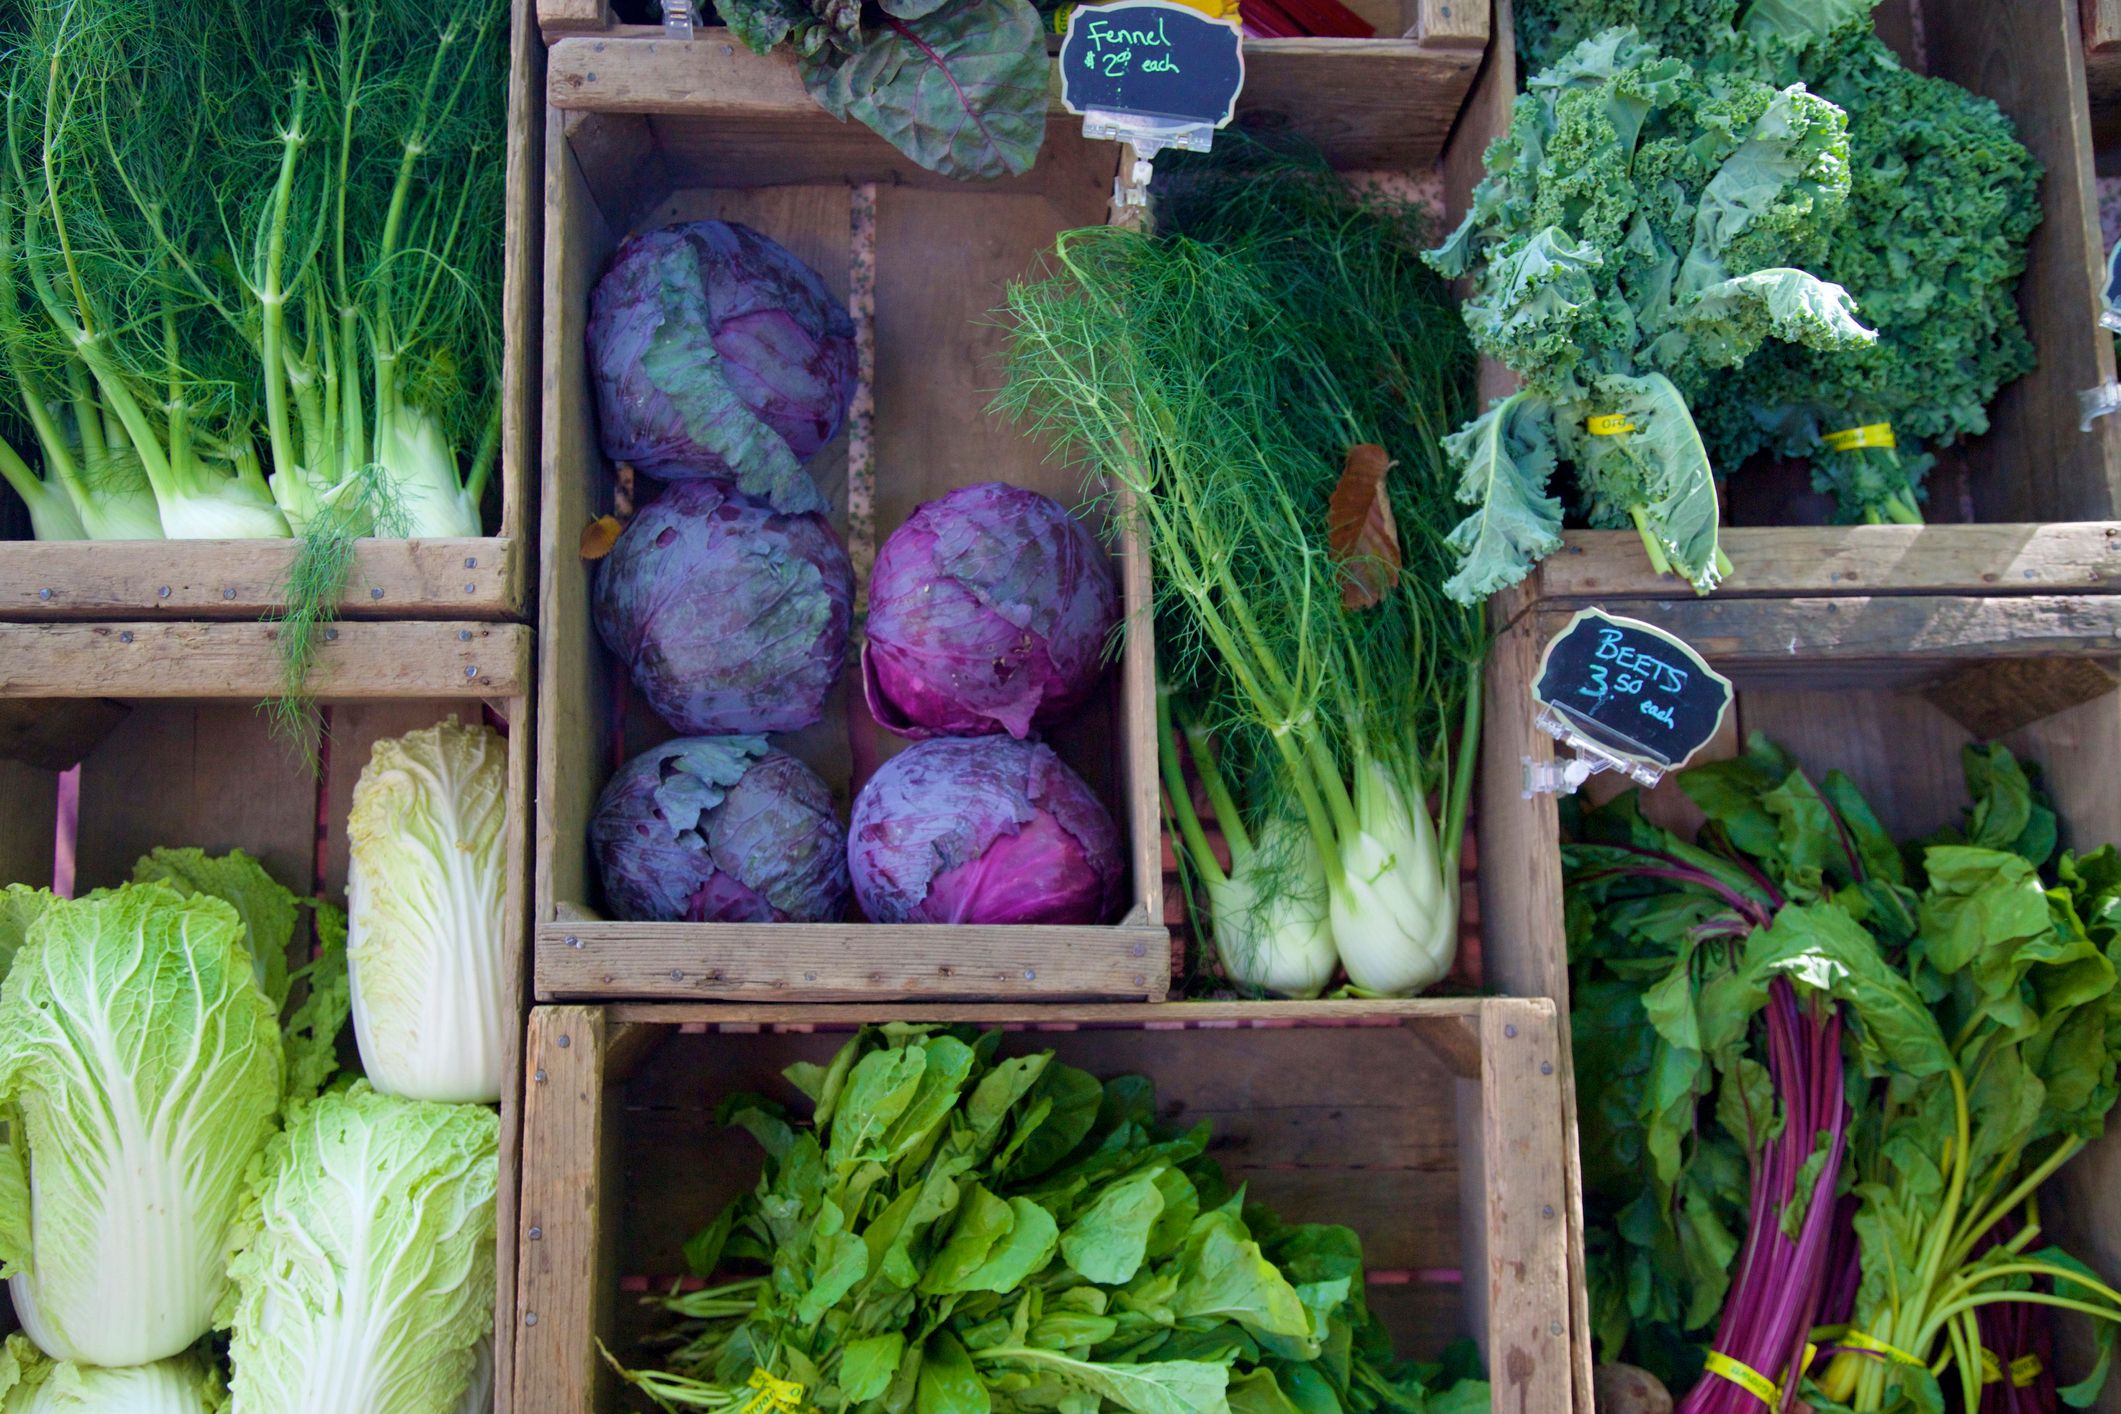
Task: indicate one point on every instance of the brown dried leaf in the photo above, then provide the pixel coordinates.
(1360, 531)
(600, 535)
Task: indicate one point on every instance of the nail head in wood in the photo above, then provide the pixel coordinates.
(537, 1234)
(162, 592)
(1509, 1030)
(125, 636)
(565, 1042)
(540, 1075)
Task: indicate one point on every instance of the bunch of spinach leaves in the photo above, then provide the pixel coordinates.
(959, 86)
(1985, 1027)
(958, 1233)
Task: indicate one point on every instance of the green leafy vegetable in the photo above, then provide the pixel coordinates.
(959, 86)
(1645, 226)
(367, 1279)
(956, 1233)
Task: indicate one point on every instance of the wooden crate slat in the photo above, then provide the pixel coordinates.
(2068, 557)
(1384, 102)
(396, 579)
(356, 660)
(847, 962)
(562, 1279)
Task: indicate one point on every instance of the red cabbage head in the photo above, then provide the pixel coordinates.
(722, 829)
(989, 611)
(717, 355)
(730, 616)
(983, 830)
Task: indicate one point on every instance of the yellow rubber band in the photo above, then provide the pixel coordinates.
(1608, 424)
(774, 1394)
(1848, 439)
(1745, 1377)
(1862, 1340)
(2024, 1370)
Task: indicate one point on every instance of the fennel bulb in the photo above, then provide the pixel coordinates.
(369, 1284)
(33, 1383)
(114, 498)
(141, 1070)
(1270, 915)
(1395, 916)
(422, 467)
(426, 892)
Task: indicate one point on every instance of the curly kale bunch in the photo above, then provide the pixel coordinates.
(1943, 200)
(1643, 228)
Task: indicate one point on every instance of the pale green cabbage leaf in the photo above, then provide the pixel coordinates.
(33, 1383)
(140, 1074)
(426, 892)
(367, 1285)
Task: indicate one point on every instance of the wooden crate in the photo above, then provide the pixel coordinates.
(1886, 689)
(486, 577)
(1431, 1127)
(2029, 508)
(941, 258)
(1382, 102)
(149, 734)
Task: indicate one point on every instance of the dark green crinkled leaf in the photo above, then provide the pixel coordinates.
(960, 90)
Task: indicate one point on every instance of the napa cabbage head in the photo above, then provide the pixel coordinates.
(367, 1286)
(426, 890)
(141, 1071)
(33, 1383)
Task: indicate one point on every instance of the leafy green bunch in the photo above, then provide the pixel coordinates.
(959, 86)
(1932, 242)
(1985, 1031)
(957, 1232)
(1640, 233)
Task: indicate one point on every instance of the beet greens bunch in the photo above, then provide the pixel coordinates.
(1796, 1035)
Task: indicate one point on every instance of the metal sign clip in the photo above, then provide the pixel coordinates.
(1566, 776)
(677, 19)
(1147, 136)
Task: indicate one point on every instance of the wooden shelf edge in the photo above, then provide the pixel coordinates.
(47, 581)
(357, 661)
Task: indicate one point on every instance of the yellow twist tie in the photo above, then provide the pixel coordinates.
(1609, 424)
(1848, 439)
(774, 1394)
(1745, 1377)
(1852, 1339)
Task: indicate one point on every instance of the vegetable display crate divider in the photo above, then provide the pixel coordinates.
(482, 578)
(1885, 689)
(1382, 102)
(1433, 1128)
(117, 738)
(941, 258)
(2031, 507)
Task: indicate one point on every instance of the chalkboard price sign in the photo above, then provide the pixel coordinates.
(1152, 59)
(1632, 688)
